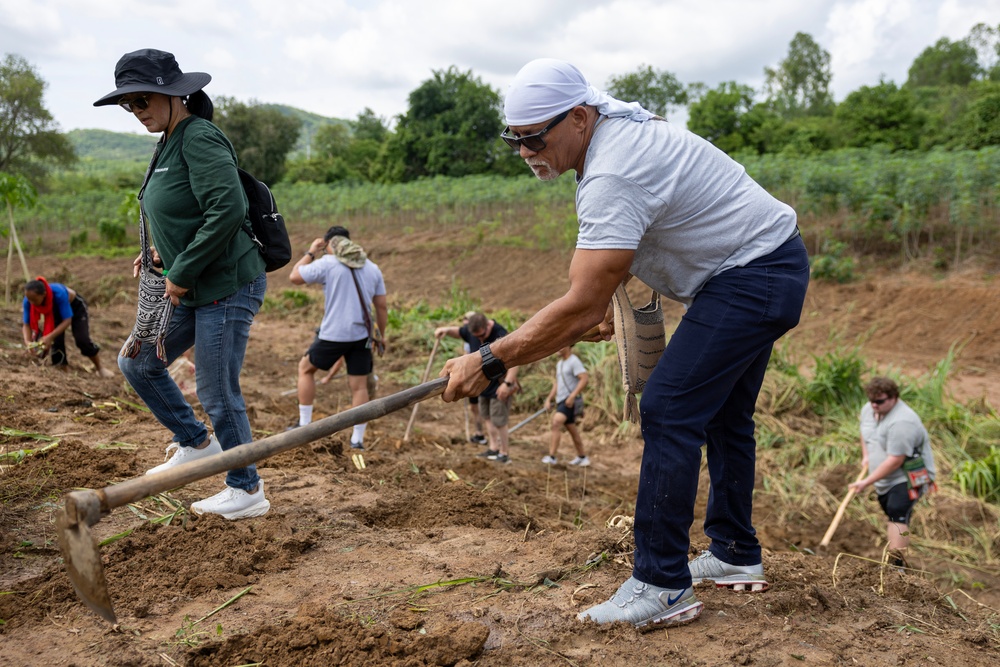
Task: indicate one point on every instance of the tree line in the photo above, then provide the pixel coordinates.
(950, 100)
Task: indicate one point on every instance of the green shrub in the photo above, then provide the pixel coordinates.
(981, 477)
(112, 233)
(837, 384)
(833, 265)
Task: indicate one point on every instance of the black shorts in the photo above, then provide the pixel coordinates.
(323, 354)
(573, 412)
(896, 503)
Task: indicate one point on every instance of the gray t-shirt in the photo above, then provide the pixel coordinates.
(343, 320)
(688, 210)
(899, 433)
(568, 373)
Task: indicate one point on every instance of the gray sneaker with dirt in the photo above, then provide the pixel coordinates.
(645, 606)
(706, 567)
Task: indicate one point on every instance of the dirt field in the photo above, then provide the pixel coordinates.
(397, 564)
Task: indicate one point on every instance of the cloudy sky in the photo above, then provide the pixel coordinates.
(336, 57)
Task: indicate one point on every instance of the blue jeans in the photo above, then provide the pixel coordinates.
(218, 331)
(704, 391)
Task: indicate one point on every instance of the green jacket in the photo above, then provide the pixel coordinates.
(196, 209)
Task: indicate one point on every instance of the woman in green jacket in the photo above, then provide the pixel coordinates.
(215, 279)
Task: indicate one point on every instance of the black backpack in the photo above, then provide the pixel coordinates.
(267, 227)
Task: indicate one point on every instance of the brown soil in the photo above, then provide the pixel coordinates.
(395, 564)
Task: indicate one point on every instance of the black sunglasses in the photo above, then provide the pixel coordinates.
(533, 142)
(878, 401)
(135, 104)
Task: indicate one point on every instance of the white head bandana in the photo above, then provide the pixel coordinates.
(546, 87)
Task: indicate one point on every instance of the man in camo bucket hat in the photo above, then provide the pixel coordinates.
(352, 286)
(658, 202)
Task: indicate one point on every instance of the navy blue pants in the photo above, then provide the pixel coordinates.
(704, 391)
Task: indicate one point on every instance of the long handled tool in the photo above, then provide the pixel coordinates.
(427, 372)
(525, 421)
(840, 510)
(85, 508)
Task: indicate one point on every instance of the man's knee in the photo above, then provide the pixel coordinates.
(306, 367)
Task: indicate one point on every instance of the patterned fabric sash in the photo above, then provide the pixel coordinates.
(641, 339)
(153, 310)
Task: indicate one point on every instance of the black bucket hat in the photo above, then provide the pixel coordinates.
(152, 71)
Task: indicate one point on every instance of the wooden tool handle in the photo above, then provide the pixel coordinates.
(243, 455)
(589, 333)
(427, 372)
(840, 510)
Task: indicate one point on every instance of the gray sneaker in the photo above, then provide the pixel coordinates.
(706, 567)
(646, 606)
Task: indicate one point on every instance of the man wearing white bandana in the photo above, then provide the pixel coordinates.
(660, 203)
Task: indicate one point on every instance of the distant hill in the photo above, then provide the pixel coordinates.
(99, 145)
(96, 145)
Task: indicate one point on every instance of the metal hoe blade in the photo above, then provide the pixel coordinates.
(80, 553)
(84, 508)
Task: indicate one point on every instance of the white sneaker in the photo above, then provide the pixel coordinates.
(185, 454)
(706, 567)
(645, 606)
(581, 461)
(234, 503)
(550, 460)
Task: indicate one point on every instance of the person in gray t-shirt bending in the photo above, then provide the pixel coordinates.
(660, 203)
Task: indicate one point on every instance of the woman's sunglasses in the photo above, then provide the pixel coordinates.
(138, 103)
(533, 142)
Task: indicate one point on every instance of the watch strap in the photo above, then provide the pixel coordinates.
(493, 368)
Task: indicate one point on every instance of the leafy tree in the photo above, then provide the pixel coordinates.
(945, 63)
(800, 84)
(343, 151)
(369, 126)
(263, 137)
(985, 40)
(29, 140)
(451, 129)
(882, 114)
(727, 116)
(981, 124)
(658, 91)
(797, 136)
(333, 140)
(15, 190)
(943, 109)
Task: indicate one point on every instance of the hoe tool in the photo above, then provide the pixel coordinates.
(85, 507)
(825, 542)
(521, 423)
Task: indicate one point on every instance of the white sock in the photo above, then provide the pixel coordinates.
(359, 433)
(305, 415)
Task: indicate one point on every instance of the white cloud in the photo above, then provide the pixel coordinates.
(336, 57)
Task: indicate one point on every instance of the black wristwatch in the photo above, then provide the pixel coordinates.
(493, 368)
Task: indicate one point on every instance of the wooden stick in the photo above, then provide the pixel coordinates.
(468, 435)
(427, 372)
(840, 510)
